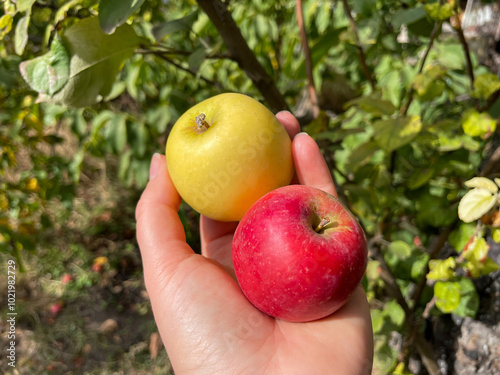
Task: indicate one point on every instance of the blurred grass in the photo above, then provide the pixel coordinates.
(81, 304)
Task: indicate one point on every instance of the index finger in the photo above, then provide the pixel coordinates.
(310, 165)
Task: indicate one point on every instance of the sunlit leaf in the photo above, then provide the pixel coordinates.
(478, 124)
(439, 12)
(447, 295)
(96, 59)
(482, 182)
(475, 204)
(485, 85)
(392, 134)
(495, 234)
(49, 73)
(24, 5)
(479, 263)
(440, 269)
(21, 34)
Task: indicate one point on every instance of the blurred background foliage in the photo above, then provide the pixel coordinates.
(401, 105)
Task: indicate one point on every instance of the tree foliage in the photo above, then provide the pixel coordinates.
(407, 122)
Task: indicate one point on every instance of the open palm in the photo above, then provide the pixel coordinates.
(205, 321)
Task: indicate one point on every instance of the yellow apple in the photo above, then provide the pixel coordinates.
(225, 153)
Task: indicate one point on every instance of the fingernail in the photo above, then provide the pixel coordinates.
(155, 165)
(301, 133)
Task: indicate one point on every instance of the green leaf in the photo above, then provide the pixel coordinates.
(495, 234)
(482, 182)
(440, 269)
(461, 236)
(49, 73)
(395, 312)
(5, 24)
(392, 134)
(139, 139)
(429, 84)
(407, 16)
(124, 164)
(361, 155)
(372, 105)
(196, 58)
(479, 263)
(420, 177)
(320, 49)
(113, 13)
(475, 204)
(447, 295)
(170, 27)
(116, 132)
(96, 59)
(469, 301)
(21, 34)
(24, 5)
(439, 12)
(485, 85)
(478, 124)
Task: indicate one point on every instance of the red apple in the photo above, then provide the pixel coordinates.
(299, 254)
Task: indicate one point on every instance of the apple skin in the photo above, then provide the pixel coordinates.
(244, 154)
(288, 270)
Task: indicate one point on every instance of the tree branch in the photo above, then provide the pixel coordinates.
(465, 46)
(411, 92)
(307, 55)
(217, 11)
(361, 53)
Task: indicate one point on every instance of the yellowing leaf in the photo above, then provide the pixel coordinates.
(439, 12)
(482, 182)
(485, 85)
(479, 263)
(478, 124)
(475, 204)
(442, 269)
(447, 295)
(495, 233)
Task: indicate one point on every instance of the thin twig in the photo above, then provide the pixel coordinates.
(187, 70)
(175, 52)
(411, 92)
(465, 46)
(307, 55)
(361, 53)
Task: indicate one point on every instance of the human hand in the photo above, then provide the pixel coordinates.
(206, 323)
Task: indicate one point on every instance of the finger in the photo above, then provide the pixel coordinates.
(310, 166)
(216, 239)
(160, 233)
(289, 122)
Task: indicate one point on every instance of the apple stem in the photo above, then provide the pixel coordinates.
(201, 124)
(322, 224)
